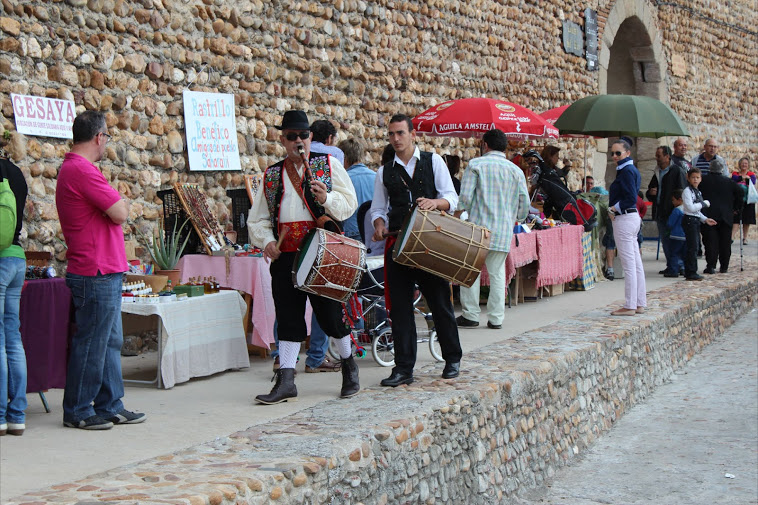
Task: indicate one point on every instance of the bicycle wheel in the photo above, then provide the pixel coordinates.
(383, 348)
(434, 346)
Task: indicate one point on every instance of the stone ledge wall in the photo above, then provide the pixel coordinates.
(521, 409)
(353, 61)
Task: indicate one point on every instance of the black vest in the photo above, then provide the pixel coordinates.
(403, 191)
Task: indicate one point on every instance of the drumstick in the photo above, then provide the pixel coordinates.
(282, 235)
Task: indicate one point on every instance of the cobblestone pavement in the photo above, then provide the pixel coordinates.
(679, 445)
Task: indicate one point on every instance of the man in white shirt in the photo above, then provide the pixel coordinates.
(422, 178)
(290, 207)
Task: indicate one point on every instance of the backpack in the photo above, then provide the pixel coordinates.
(7, 210)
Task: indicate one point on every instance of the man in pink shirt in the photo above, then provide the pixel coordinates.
(91, 213)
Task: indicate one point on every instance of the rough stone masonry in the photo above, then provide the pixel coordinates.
(353, 61)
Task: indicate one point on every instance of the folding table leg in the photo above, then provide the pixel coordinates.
(44, 402)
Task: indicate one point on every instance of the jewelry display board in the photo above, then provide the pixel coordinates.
(203, 220)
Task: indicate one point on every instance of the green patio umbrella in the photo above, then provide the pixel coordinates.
(617, 115)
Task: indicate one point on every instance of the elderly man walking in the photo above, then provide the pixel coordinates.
(493, 191)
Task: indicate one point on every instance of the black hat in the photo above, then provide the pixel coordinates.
(294, 120)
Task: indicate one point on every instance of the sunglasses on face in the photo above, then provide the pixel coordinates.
(616, 153)
(292, 136)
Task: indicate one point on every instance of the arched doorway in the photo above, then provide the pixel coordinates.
(631, 63)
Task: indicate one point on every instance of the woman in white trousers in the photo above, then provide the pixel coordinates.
(622, 207)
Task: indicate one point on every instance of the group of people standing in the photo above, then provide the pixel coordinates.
(699, 205)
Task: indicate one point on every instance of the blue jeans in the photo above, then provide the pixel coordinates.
(317, 349)
(94, 363)
(12, 356)
(676, 255)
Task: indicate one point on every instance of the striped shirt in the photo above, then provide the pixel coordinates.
(493, 191)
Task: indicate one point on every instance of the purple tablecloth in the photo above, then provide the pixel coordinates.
(45, 322)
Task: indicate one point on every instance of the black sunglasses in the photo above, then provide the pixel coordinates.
(616, 153)
(292, 136)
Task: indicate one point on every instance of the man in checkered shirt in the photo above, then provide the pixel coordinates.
(494, 193)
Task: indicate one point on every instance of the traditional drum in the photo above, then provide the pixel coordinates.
(329, 264)
(443, 245)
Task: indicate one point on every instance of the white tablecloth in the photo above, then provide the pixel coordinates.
(200, 336)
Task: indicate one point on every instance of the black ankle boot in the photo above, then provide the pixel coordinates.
(284, 389)
(350, 385)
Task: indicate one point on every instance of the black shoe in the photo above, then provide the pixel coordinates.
(465, 323)
(670, 274)
(494, 326)
(451, 370)
(91, 423)
(397, 379)
(695, 277)
(284, 389)
(709, 270)
(126, 417)
(350, 385)
(608, 274)
(723, 270)
(681, 273)
(664, 271)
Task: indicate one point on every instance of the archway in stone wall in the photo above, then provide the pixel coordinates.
(632, 62)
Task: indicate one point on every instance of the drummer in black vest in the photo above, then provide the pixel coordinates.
(419, 177)
(288, 207)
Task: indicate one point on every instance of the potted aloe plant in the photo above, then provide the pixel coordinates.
(165, 249)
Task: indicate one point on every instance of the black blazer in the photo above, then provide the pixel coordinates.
(724, 195)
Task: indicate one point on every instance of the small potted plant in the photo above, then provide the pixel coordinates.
(165, 250)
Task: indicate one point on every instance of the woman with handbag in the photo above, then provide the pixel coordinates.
(746, 178)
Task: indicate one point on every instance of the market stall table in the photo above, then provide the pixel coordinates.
(557, 251)
(198, 336)
(249, 274)
(45, 330)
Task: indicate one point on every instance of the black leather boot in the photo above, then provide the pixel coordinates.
(350, 385)
(284, 389)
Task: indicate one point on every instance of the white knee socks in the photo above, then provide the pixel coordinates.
(346, 349)
(288, 352)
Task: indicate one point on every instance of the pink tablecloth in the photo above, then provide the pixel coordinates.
(560, 255)
(558, 252)
(246, 273)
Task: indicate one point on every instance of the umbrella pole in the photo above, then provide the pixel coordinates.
(585, 161)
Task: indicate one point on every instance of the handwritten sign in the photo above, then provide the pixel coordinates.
(211, 131)
(43, 117)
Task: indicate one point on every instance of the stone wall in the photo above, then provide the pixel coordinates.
(353, 61)
(520, 410)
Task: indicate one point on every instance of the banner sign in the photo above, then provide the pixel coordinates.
(590, 34)
(43, 117)
(211, 131)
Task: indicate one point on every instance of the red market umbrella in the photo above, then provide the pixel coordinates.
(473, 117)
(552, 115)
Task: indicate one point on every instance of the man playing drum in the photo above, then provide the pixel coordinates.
(422, 178)
(493, 191)
(288, 207)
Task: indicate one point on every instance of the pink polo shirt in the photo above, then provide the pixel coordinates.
(95, 243)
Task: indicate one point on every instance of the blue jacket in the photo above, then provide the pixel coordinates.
(675, 224)
(362, 178)
(624, 189)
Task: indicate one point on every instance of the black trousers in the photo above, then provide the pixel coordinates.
(402, 281)
(290, 305)
(691, 227)
(717, 241)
